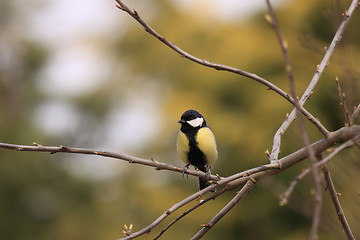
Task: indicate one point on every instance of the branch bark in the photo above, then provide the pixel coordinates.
(339, 211)
(119, 156)
(284, 196)
(134, 14)
(231, 182)
(202, 202)
(342, 135)
(240, 195)
(319, 70)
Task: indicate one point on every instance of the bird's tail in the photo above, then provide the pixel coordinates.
(204, 182)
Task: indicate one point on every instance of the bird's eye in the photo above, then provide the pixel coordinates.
(197, 122)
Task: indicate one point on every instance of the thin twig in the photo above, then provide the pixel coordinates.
(202, 202)
(258, 173)
(317, 181)
(233, 181)
(355, 113)
(134, 14)
(244, 175)
(285, 196)
(339, 211)
(353, 118)
(230, 205)
(317, 204)
(130, 159)
(342, 98)
(309, 90)
(272, 20)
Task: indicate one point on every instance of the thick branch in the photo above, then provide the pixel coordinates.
(257, 173)
(233, 181)
(342, 135)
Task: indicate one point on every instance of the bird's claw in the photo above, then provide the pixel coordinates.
(183, 170)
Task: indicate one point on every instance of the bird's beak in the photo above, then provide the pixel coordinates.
(181, 121)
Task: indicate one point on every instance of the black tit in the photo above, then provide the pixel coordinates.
(196, 144)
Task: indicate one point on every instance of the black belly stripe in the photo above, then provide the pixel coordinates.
(195, 156)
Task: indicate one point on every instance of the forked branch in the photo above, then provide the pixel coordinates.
(309, 90)
(230, 205)
(230, 183)
(134, 14)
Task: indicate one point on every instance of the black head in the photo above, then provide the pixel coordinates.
(192, 119)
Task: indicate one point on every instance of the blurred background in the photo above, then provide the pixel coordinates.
(84, 74)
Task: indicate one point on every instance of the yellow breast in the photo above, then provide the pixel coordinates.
(206, 143)
(183, 147)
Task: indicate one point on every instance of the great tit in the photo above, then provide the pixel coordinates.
(196, 144)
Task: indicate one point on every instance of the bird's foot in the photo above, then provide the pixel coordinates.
(186, 167)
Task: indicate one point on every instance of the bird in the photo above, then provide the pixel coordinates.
(196, 144)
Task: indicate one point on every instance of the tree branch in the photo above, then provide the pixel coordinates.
(317, 198)
(342, 135)
(337, 205)
(222, 67)
(257, 173)
(271, 18)
(202, 202)
(240, 195)
(319, 70)
(342, 98)
(355, 113)
(285, 196)
(130, 159)
(233, 181)
(244, 175)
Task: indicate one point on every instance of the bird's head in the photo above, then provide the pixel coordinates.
(192, 119)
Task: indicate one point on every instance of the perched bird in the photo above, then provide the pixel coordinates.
(196, 144)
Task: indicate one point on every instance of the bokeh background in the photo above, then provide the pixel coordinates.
(84, 74)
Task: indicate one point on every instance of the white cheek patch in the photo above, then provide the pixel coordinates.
(197, 122)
